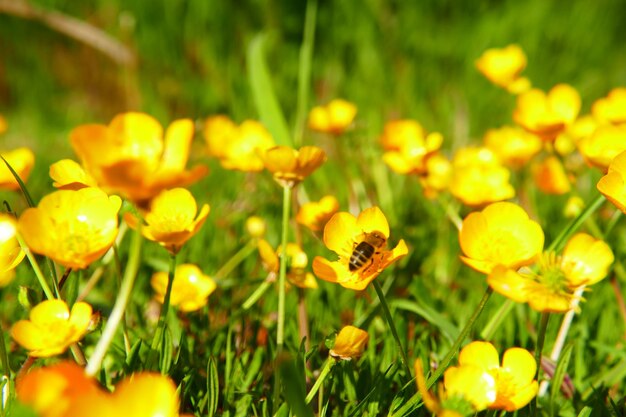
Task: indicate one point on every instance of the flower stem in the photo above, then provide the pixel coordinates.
(392, 327)
(33, 262)
(236, 259)
(496, 319)
(541, 338)
(559, 241)
(320, 379)
(258, 293)
(120, 305)
(158, 339)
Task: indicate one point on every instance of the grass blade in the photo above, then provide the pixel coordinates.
(213, 387)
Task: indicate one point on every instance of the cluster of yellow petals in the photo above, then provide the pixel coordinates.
(73, 228)
(70, 175)
(350, 343)
(613, 184)
(52, 327)
(22, 161)
(407, 146)
(342, 234)
(171, 220)
(315, 214)
(478, 177)
(502, 66)
(550, 176)
(512, 145)
(237, 147)
(297, 261)
(190, 289)
(291, 166)
(334, 118)
(63, 390)
(612, 108)
(603, 145)
(11, 254)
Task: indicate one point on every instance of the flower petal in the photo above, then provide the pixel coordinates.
(340, 232)
(373, 220)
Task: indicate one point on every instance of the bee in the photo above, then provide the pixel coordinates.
(364, 251)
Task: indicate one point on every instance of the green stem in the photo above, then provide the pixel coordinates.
(258, 293)
(541, 338)
(158, 339)
(236, 259)
(33, 262)
(559, 241)
(120, 305)
(330, 362)
(496, 319)
(392, 327)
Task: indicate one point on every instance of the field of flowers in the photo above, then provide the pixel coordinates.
(301, 210)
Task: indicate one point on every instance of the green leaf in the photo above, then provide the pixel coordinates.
(293, 386)
(585, 412)
(429, 314)
(165, 353)
(559, 375)
(213, 387)
(265, 99)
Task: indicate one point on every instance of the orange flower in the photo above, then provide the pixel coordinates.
(22, 161)
(69, 175)
(289, 166)
(131, 157)
(603, 145)
(315, 214)
(297, 262)
(52, 328)
(171, 219)
(350, 343)
(501, 234)
(547, 115)
(333, 118)
(190, 289)
(74, 228)
(408, 146)
(550, 176)
(513, 146)
(613, 184)
(359, 242)
(612, 108)
(503, 67)
(11, 254)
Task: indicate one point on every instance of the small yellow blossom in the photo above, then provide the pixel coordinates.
(11, 254)
(604, 144)
(22, 161)
(512, 145)
(69, 175)
(612, 108)
(573, 206)
(350, 343)
(478, 178)
(333, 118)
(256, 226)
(613, 184)
(550, 176)
(547, 115)
(408, 147)
(360, 244)
(297, 261)
(503, 67)
(74, 228)
(315, 214)
(567, 141)
(130, 156)
(437, 176)
(290, 166)
(501, 234)
(190, 290)
(172, 219)
(52, 328)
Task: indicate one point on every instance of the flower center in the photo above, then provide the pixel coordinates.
(551, 275)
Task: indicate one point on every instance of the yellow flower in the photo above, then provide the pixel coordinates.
(131, 157)
(503, 67)
(74, 228)
(172, 219)
(315, 214)
(52, 328)
(256, 226)
(547, 115)
(603, 145)
(290, 166)
(237, 147)
(612, 108)
(11, 254)
(573, 206)
(514, 380)
(550, 176)
(585, 261)
(350, 343)
(69, 175)
(333, 118)
(567, 141)
(513, 146)
(478, 178)
(22, 161)
(501, 234)
(437, 176)
(360, 243)
(434, 403)
(408, 146)
(190, 289)
(613, 184)
(297, 262)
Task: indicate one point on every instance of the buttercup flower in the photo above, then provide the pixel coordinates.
(613, 184)
(604, 144)
(131, 157)
(550, 176)
(547, 115)
(11, 254)
(256, 226)
(573, 206)
(74, 228)
(290, 166)
(503, 67)
(512, 145)
(22, 161)
(408, 147)
(237, 147)
(190, 289)
(315, 214)
(501, 234)
(69, 175)
(585, 261)
(333, 118)
(478, 178)
(612, 108)
(172, 219)
(52, 328)
(350, 343)
(437, 176)
(360, 243)
(297, 262)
